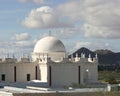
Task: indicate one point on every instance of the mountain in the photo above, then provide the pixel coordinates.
(85, 51)
(106, 58)
(102, 51)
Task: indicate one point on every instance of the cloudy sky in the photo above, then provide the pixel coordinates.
(94, 24)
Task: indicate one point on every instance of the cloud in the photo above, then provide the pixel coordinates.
(19, 44)
(23, 40)
(93, 45)
(6, 47)
(66, 32)
(98, 18)
(25, 44)
(21, 37)
(33, 1)
(45, 17)
(82, 44)
(18, 48)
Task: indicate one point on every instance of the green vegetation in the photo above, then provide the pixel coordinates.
(113, 77)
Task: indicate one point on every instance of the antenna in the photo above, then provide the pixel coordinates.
(13, 55)
(49, 33)
(7, 55)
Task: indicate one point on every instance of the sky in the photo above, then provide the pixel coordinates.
(94, 24)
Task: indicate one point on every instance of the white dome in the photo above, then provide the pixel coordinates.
(49, 44)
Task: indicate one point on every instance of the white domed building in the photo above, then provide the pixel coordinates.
(50, 46)
(51, 65)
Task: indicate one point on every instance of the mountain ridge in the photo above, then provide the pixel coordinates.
(106, 58)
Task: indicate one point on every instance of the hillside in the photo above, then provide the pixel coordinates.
(83, 50)
(106, 58)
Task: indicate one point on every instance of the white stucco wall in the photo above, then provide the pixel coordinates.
(22, 69)
(90, 73)
(43, 72)
(8, 70)
(64, 74)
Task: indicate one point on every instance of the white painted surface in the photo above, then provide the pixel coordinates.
(49, 44)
